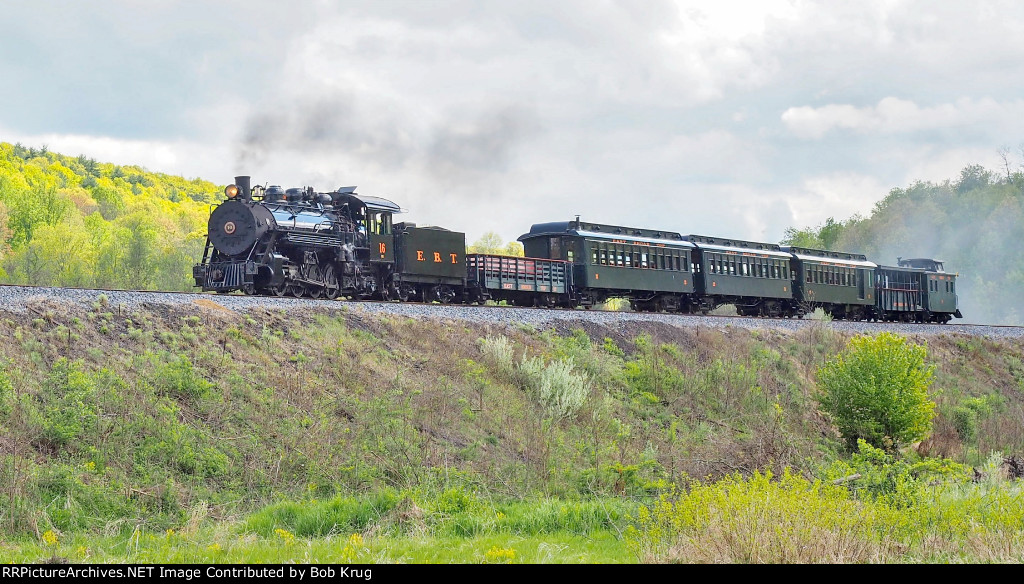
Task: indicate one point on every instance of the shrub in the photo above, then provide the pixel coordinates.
(69, 409)
(499, 351)
(760, 519)
(178, 378)
(877, 389)
(555, 386)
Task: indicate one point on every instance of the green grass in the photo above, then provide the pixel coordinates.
(383, 528)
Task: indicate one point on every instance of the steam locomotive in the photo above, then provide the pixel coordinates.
(299, 242)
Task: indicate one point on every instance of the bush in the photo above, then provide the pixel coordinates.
(760, 519)
(499, 351)
(69, 410)
(555, 386)
(180, 379)
(877, 390)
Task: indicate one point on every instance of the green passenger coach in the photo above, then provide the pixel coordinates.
(840, 283)
(755, 277)
(653, 268)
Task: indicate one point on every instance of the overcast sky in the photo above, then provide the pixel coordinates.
(727, 118)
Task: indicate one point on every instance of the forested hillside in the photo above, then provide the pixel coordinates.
(77, 222)
(975, 224)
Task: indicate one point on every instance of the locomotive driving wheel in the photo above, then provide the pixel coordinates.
(331, 288)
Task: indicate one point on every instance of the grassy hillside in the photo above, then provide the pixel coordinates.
(975, 224)
(76, 222)
(198, 434)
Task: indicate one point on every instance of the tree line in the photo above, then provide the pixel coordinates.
(974, 223)
(73, 221)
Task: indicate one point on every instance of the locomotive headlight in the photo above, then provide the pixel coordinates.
(231, 191)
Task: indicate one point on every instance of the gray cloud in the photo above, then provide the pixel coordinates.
(667, 113)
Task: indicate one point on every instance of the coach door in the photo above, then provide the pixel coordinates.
(860, 283)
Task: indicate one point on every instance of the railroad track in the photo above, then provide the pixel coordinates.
(15, 298)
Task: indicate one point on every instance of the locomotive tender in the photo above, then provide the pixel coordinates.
(274, 241)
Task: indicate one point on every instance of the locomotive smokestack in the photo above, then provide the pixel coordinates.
(242, 182)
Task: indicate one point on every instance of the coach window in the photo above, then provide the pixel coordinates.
(629, 259)
(952, 287)
(744, 266)
(604, 257)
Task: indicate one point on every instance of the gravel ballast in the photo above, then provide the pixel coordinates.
(18, 299)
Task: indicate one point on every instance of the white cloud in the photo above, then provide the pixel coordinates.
(893, 115)
(840, 195)
(181, 157)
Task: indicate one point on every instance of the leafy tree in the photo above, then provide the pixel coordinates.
(877, 390)
(492, 243)
(806, 237)
(5, 231)
(824, 236)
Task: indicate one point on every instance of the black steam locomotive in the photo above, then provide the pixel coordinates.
(300, 242)
(278, 242)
